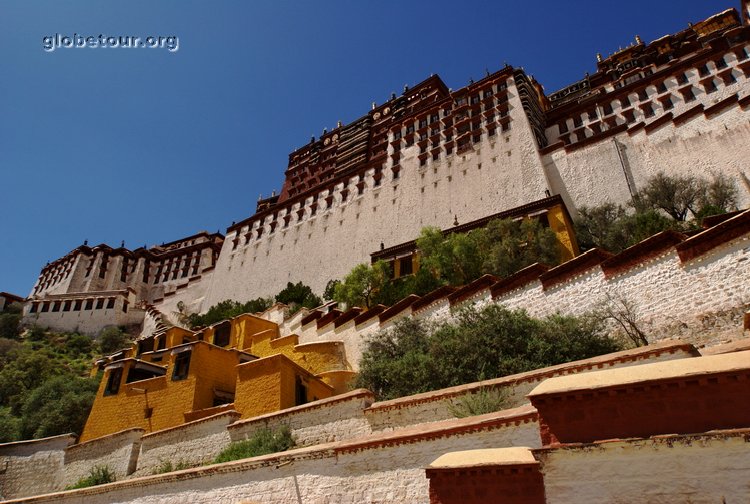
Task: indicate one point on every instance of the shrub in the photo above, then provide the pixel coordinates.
(58, 406)
(112, 339)
(9, 325)
(414, 357)
(166, 466)
(485, 400)
(98, 475)
(227, 309)
(262, 442)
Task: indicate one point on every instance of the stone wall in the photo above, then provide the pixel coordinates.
(700, 469)
(376, 468)
(500, 172)
(191, 444)
(336, 419)
(32, 467)
(118, 452)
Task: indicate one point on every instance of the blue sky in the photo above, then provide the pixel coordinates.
(148, 145)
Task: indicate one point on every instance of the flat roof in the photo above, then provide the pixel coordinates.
(679, 368)
(487, 457)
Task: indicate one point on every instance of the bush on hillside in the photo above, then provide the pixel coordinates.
(112, 339)
(416, 356)
(262, 442)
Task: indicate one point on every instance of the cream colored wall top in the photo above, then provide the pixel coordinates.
(681, 368)
(487, 457)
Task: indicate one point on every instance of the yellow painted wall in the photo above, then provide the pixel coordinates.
(561, 225)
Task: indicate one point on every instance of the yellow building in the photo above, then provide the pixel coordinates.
(243, 364)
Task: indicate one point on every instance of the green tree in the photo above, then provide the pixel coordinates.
(58, 406)
(298, 296)
(361, 285)
(682, 196)
(228, 309)
(25, 372)
(112, 339)
(10, 426)
(10, 320)
(415, 357)
(330, 290)
(513, 245)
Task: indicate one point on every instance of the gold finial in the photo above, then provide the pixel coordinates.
(638, 40)
(598, 57)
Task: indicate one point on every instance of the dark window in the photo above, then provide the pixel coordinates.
(113, 382)
(434, 118)
(593, 115)
(66, 305)
(300, 391)
(422, 162)
(405, 266)
(721, 63)
(34, 307)
(89, 304)
(709, 86)
(56, 306)
(563, 126)
(607, 108)
(181, 366)
(642, 95)
(100, 303)
(162, 343)
(682, 78)
(410, 128)
(397, 135)
(77, 305)
(110, 303)
(648, 110)
(688, 95)
(703, 70)
(667, 103)
(577, 121)
(624, 102)
(45, 307)
(661, 87)
(222, 333)
(423, 123)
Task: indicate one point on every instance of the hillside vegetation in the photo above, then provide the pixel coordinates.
(45, 388)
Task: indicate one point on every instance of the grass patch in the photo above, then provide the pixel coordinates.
(486, 400)
(263, 442)
(98, 475)
(166, 466)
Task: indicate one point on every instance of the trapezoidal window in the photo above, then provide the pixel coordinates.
(181, 366)
(222, 333)
(113, 382)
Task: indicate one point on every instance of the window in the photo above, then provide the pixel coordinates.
(100, 303)
(709, 86)
(300, 391)
(113, 382)
(667, 103)
(661, 87)
(423, 123)
(45, 307)
(721, 63)
(642, 95)
(34, 307)
(89, 304)
(110, 303)
(405, 266)
(66, 306)
(688, 95)
(624, 102)
(181, 366)
(56, 306)
(703, 70)
(648, 110)
(577, 121)
(475, 99)
(563, 126)
(682, 78)
(434, 118)
(607, 108)
(593, 116)
(77, 305)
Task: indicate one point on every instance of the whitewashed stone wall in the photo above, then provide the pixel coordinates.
(700, 469)
(502, 172)
(336, 419)
(370, 470)
(191, 444)
(32, 467)
(118, 452)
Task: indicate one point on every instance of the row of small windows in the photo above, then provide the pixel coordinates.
(76, 305)
(180, 371)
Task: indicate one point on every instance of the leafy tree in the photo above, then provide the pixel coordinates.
(612, 228)
(360, 286)
(416, 357)
(58, 406)
(10, 426)
(28, 370)
(298, 295)
(112, 339)
(10, 320)
(680, 196)
(330, 290)
(513, 245)
(227, 309)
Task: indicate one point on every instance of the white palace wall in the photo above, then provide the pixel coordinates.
(502, 172)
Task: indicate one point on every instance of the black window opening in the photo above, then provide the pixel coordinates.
(110, 303)
(113, 382)
(222, 334)
(300, 391)
(136, 374)
(146, 345)
(405, 266)
(181, 366)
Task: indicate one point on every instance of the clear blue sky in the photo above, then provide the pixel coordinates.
(148, 145)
